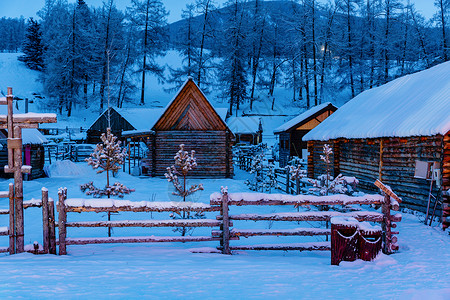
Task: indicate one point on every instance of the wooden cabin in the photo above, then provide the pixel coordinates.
(33, 152)
(398, 133)
(190, 119)
(290, 134)
(123, 119)
(247, 130)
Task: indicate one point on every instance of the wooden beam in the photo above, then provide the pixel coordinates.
(387, 190)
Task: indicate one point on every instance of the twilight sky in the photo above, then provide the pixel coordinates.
(28, 8)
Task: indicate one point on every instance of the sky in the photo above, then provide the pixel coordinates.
(28, 8)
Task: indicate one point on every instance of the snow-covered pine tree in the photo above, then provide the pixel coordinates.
(107, 157)
(32, 47)
(183, 164)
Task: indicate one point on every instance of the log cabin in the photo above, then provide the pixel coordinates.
(122, 119)
(398, 133)
(248, 130)
(190, 119)
(290, 133)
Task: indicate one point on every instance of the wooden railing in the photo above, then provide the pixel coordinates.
(223, 230)
(66, 206)
(226, 200)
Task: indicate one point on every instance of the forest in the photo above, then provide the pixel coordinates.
(319, 51)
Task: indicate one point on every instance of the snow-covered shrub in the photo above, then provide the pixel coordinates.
(263, 172)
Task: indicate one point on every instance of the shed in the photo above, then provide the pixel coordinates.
(123, 119)
(33, 152)
(291, 133)
(190, 119)
(247, 130)
(393, 133)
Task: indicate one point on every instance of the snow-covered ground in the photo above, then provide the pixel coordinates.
(420, 269)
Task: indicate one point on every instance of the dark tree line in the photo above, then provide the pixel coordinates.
(319, 51)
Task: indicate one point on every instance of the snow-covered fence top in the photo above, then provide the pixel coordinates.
(113, 205)
(297, 200)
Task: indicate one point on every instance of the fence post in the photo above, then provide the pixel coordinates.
(297, 185)
(51, 229)
(45, 222)
(386, 225)
(225, 224)
(287, 180)
(12, 232)
(62, 218)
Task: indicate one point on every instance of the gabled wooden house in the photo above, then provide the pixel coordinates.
(290, 134)
(248, 130)
(398, 133)
(123, 119)
(190, 119)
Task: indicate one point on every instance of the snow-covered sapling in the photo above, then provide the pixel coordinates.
(183, 164)
(107, 157)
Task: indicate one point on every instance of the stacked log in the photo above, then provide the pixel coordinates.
(446, 182)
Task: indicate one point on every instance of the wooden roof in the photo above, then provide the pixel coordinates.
(308, 119)
(190, 110)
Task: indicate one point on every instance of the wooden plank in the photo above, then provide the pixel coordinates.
(4, 211)
(387, 190)
(319, 246)
(138, 239)
(30, 118)
(4, 249)
(274, 232)
(149, 223)
(309, 216)
(241, 199)
(4, 231)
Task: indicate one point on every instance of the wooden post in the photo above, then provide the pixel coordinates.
(297, 186)
(18, 187)
(62, 219)
(380, 167)
(386, 224)
(12, 232)
(287, 181)
(225, 225)
(45, 220)
(51, 228)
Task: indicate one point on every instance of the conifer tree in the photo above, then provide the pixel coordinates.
(183, 164)
(107, 157)
(32, 47)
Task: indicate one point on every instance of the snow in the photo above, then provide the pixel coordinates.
(303, 116)
(177, 270)
(244, 125)
(413, 105)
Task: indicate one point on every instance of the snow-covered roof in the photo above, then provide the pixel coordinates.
(244, 125)
(412, 105)
(30, 136)
(141, 118)
(303, 116)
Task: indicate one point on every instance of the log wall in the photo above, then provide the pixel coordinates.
(212, 150)
(361, 158)
(446, 182)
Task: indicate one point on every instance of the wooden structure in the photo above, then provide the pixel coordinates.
(33, 152)
(191, 120)
(391, 133)
(248, 130)
(14, 123)
(242, 199)
(134, 119)
(291, 133)
(221, 203)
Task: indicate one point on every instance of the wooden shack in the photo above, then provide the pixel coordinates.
(247, 129)
(290, 134)
(123, 119)
(190, 119)
(396, 133)
(33, 152)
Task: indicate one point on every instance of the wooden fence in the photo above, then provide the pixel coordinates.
(12, 229)
(221, 203)
(388, 202)
(66, 206)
